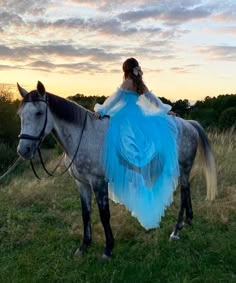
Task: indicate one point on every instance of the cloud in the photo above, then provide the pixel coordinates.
(69, 68)
(67, 36)
(219, 52)
(107, 5)
(104, 24)
(224, 11)
(42, 65)
(6, 67)
(172, 13)
(227, 30)
(10, 19)
(83, 67)
(25, 6)
(60, 51)
(185, 69)
(107, 26)
(227, 16)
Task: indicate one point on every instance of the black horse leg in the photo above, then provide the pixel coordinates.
(101, 193)
(85, 196)
(189, 210)
(185, 201)
(179, 225)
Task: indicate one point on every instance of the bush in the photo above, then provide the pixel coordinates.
(228, 118)
(7, 156)
(49, 142)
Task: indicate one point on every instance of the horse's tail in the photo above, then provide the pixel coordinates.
(208, 161)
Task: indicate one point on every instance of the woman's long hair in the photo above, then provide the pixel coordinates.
(133, 71)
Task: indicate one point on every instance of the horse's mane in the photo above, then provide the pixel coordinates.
(62, 108)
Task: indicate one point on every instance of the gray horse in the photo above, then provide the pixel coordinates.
(81, 137)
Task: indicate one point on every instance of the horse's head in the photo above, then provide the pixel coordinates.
(36, 120)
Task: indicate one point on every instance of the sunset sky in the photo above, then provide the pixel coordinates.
(186, 48)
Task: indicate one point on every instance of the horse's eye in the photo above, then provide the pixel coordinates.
(38, 113)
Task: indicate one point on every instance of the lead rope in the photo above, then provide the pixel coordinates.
(11, 168)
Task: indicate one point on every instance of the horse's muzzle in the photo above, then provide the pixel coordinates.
(26, 149)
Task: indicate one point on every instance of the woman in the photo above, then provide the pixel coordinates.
(140, 152)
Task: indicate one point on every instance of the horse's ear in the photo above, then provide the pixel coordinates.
(40, 88)
(22, 91)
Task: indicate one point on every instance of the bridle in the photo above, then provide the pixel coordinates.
(40, 138)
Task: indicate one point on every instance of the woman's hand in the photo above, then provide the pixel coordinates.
(171, 113)
(97, 115)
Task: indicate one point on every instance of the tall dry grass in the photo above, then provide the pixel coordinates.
(224, 148)
(41, 226)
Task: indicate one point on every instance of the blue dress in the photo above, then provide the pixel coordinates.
(140, 154)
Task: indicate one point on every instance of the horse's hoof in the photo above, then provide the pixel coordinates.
(188, 223)
(82, 249)
(174, 237)
(78, 253)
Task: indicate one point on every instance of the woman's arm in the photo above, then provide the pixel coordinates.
(108, 104)
(157, 102)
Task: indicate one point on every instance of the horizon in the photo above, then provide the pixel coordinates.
(16, 96)
(186, 48)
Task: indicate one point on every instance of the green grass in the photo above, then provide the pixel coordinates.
(41, 227)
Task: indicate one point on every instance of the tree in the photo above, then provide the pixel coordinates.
(5, 93)
(208, 112)
(166, 101)
(9, 122)
(228, 118)
(181, 107)
(87, 102)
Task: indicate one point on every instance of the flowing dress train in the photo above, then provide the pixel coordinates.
(140, 155)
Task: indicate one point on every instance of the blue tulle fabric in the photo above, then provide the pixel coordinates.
(140, 155)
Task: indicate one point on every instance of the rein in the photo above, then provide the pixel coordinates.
(40, 139)
(11, 168)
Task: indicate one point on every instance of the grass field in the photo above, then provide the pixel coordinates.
(41, 227)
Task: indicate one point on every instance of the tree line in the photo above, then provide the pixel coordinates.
(212, 112)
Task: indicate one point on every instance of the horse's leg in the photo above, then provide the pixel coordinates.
(101, 193)
(189, 209)
(185, 201)
(85, 196)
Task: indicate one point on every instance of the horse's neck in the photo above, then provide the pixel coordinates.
(67, 135)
